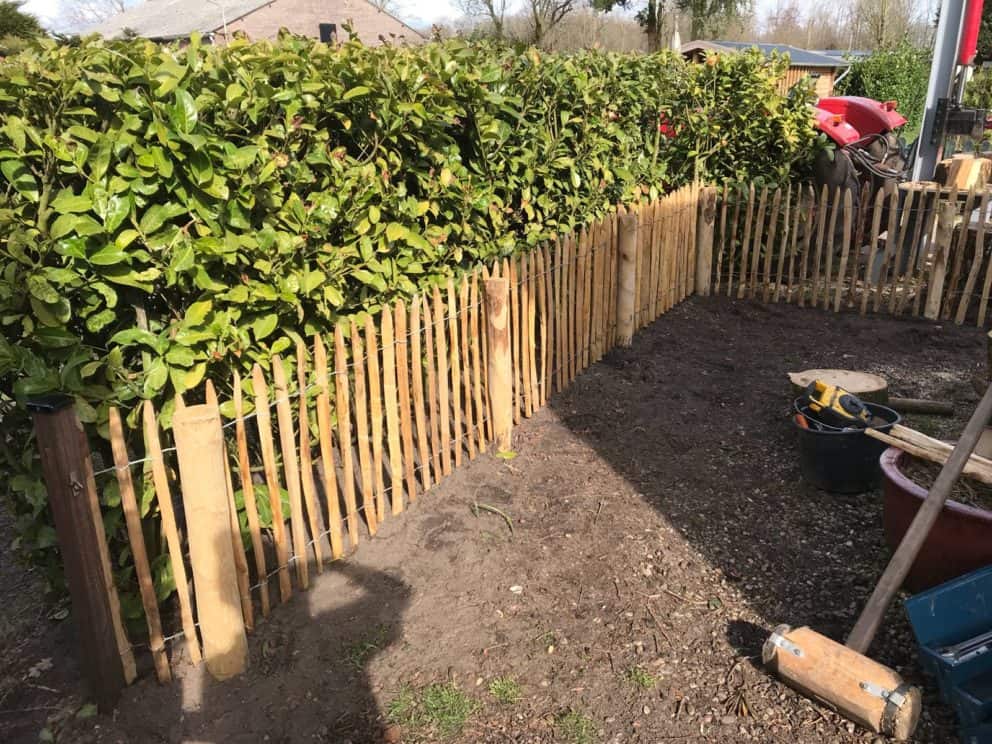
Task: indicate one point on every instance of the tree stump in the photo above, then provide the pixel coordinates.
(868, 387)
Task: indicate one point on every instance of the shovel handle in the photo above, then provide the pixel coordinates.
(871, 617)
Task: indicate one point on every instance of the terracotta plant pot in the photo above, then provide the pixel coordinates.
(961, 538)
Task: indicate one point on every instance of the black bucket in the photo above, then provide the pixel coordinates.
(843, 460)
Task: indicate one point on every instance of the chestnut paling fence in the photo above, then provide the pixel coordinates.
(917, 249)
(259, 484)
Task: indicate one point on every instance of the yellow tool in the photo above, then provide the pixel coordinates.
(834, 406)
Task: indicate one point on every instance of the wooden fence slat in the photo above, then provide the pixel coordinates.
(656, 241)
(432, 393)
(358, 356)
(443, 389)
(829, 247)
(139, 553)
(291, 469)
(802, 207)
(475, 339)
(343, 411)
(374, 390)
(454, 365)
(845, 250)
(732, 248)
(986, 286)
(613, 284)
(919, 302)
(784, 247)
(951, 293)
(876, 225)
(526, 340)
(326, 439)
(770, 244)
(898, 278)
(163, 495)
(821, 227)
(512, 273)
(938, 266)
(561, 336)
(264, 421)
(861, 220)
(891, 246)
(810, 222)
(722, 240)
(403, 387)
(746, 244)
(417, 378)
(466, 366)
(759, 232)
(544, 314)
(532, 270)
(977, 257)
(390, 403)
(248, 496)
(924, 216)
(314, 518)
(237, 546)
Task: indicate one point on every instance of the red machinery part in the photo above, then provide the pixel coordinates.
(835, 127)
(866, 115)
(969, 32)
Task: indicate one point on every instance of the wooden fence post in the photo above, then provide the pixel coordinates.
(200, 450)
(627, 279)
(704, 240)
(500, 365)
(938, 272)
(65, 461)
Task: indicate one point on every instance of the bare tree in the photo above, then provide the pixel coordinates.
(545, 15)
(387, 6)
(493, 11)
(83, 13)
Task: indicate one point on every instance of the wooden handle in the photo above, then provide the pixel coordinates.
(871, 617)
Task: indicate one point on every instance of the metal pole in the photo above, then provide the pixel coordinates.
(945, 53)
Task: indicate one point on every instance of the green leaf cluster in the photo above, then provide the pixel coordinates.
(172, 214)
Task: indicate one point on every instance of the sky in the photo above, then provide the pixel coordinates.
(422, 14)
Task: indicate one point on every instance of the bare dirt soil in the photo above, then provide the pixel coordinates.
(660, 530)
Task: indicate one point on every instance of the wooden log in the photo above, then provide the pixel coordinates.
(264, 423)
(251, 508)
(825, 670)
(927, 407)
(938, 269)
(374, 390)
(977, 257)
(876, 226)
(343, 414)
(291, 471)
(845, 250)
(500, 374)
(237, 546)
(746, 244)
(403, 387)
(358, 357)
(865, 385)
(328, 472)
(306, 458)
(443, 394)
(432, 404)
(627, 280)
(451, 323)
(200, 450)
(759, 233)
(139, 553)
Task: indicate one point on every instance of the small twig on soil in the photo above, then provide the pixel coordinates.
(677, 596)
(490, 648)
(13, 711)
(616, 585)
(598, 510)
(476, 506)
(658, 623)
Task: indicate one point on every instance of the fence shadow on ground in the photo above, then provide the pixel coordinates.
(308, 676)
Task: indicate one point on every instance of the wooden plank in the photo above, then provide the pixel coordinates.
(443, 389)
(784, 247)
(770, 245)
(201, 453)
(722, 242)
(476, 341)
(326, 439)
(163, 495)
(237, 546)
(374, 380)
(291, 470)
(390, 404)
(306, 457)
(732, 249)
(264, 423)
(759, 232)
(831, 231)
(403, 387)
(847, 206)
(951, 292)
(466, 366)
(876, 225)
(977, 257)
(139, 553)
(429, 358)
(358, 355)
(746, 243)
(343, 411)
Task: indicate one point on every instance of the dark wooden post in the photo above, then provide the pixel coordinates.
(65, 460)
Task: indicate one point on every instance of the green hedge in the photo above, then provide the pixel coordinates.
(244, 196)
